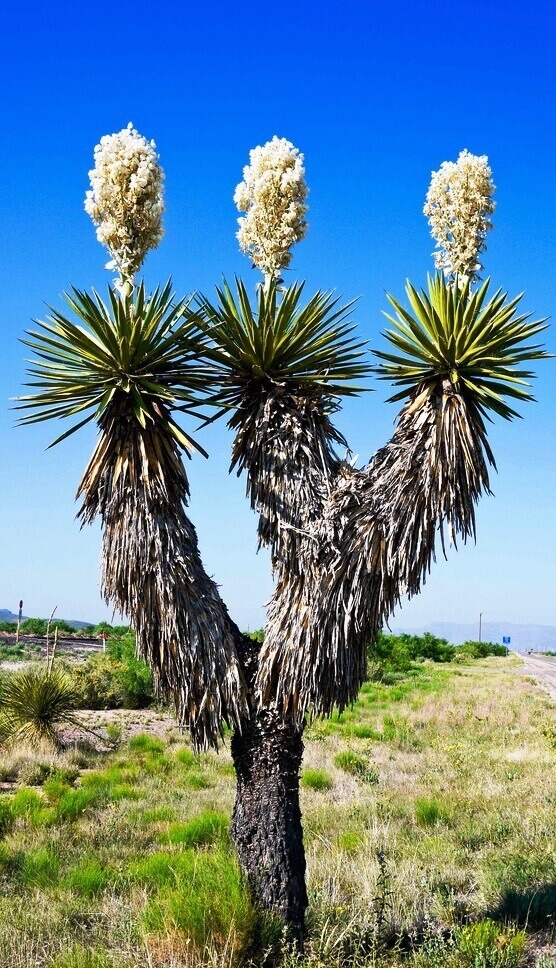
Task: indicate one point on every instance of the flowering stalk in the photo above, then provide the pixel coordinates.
(459, 205)
(126, 201)
(272, 194)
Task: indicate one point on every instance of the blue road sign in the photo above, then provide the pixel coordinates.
(506, 639)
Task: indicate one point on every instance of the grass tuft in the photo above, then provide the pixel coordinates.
(317, 780)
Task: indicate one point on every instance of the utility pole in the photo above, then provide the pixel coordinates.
(480, 626)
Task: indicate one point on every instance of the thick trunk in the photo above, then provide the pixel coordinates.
(266, 823)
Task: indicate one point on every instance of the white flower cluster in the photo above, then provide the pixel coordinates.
(126, 199)
(272, 193)
(459, 205)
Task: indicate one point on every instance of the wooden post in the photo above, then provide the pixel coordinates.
(48, 632)
(19, 621)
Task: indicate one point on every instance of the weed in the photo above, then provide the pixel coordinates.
(487, 945)
(39, 868)
(356, 765)
(198, 781)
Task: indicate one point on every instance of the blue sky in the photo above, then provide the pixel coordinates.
(376, 96)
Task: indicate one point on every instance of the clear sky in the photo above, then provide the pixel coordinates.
(376, 95)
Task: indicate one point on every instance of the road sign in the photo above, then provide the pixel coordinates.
(506, 639)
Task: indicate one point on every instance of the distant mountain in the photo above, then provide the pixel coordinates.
(7, 616)
(536, 637)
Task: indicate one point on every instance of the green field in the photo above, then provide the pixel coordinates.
(430, 825)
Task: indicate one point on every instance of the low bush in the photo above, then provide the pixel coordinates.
(393, 655)
(396, 653)
(115, 679)
(481, 650)
(39, 626)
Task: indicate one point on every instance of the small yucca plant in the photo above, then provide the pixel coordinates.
(34, 703)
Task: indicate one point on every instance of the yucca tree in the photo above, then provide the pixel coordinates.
(281, 368)
(346, 543)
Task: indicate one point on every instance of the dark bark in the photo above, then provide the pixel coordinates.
(266, 822)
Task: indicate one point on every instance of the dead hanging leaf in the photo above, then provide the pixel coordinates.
(153, 573)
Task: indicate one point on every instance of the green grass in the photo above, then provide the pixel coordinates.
(319, 780)
(357, 765)
(123, 859)
(206, 830)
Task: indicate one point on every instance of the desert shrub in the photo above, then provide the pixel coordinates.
(38, 626)
(115, 679)
(391, 654)
(317, 780)
(481, 650)
(488, 945)
(15, 653)
(356, 765)
(34, 773)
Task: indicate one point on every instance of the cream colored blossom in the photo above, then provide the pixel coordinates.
(126, 199)
(272, 194)
(459, 205)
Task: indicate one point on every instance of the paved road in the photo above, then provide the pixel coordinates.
(544, 670)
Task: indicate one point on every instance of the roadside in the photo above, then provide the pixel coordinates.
(543, 669)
